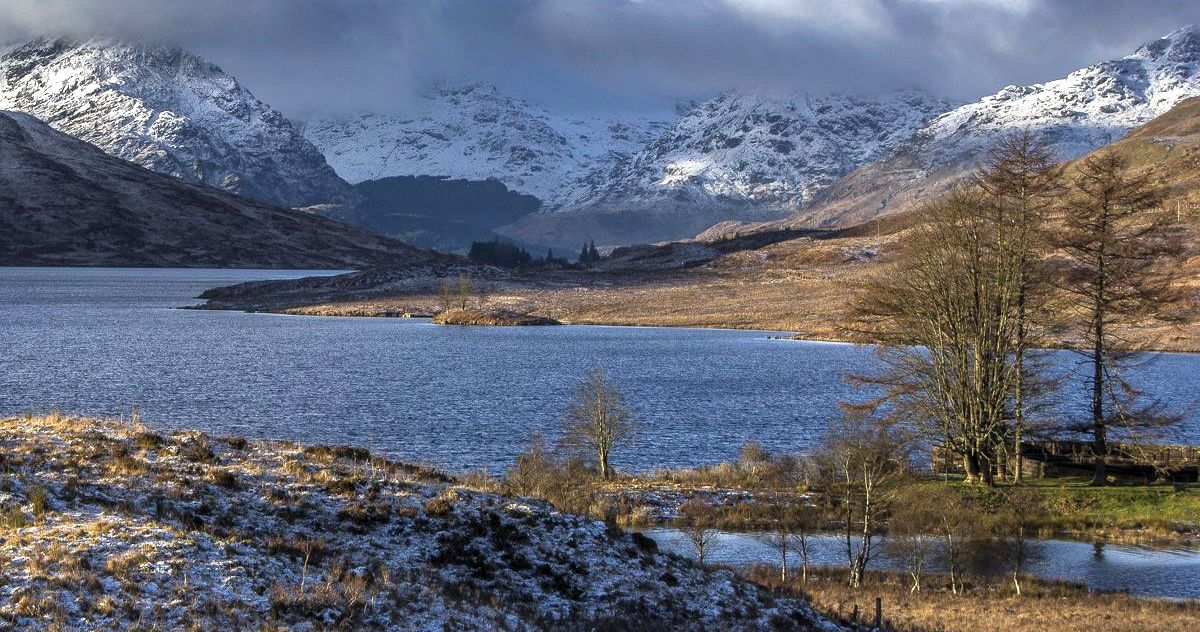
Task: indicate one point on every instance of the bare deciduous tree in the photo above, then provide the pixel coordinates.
(792, 525)
(697, 522)
(912, 532)
(446, 294)
(465, 287)
(946, 316)
(1024, 179)
(1017, 526)
(861, 460)
(599, 420)
(1115, 236)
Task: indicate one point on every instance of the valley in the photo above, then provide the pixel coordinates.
(600, 316)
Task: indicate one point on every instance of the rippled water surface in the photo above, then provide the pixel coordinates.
(97, 341)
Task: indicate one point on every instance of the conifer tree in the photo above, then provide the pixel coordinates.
(1116, 236)
(1024, 181)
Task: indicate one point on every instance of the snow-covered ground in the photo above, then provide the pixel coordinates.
(107, 524)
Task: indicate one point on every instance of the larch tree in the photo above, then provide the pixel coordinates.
(599, 420)
(1116, 238)
(1024, 181)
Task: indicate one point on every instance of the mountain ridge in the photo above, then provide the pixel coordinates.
(66, 202)
(472, 131)
(170, 111)
(1089, 108)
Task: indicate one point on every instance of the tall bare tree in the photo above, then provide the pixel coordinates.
(946, 315)
(465, 288)
(792, 525)
(1115, 237)
(697, 521)
(599, 420)
(862, 460)
(1024, 180)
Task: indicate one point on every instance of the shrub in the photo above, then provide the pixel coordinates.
(128, 465)
(11, 517)
(148, 440)
(442, 505)
(366, 514)
(121, 564)
(39, 501)
(568, 485)
(223, 478)
(197, 449)
(334, 452)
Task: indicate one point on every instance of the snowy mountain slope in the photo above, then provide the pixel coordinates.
(169, 111)
(1087, 109)
(772, 151)
(472, 131)
(737, 156)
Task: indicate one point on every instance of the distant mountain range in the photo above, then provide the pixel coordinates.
(738, 156)
(64, 202)
(471, 131)
(435, 212)
(792, 159)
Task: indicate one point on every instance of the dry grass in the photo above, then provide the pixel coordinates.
(108, 525)
(988, 605)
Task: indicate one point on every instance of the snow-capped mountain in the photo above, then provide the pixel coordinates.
(169, 111)
(1085, 110)
(755, 151)
(741, 155)
(472, 131)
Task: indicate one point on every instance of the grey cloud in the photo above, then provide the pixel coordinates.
(603, 54)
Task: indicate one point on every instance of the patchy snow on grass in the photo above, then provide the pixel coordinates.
(108, 524)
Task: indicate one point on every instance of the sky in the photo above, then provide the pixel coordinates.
(340, 56)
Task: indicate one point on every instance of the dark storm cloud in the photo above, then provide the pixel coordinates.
(338, 55)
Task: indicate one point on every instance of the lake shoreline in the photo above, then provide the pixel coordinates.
(359, 310)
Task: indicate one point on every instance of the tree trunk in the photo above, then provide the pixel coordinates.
(1019, 395)
(1099, 437)
(602, 463)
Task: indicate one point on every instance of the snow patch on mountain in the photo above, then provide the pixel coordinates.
(169, 111)
(761, 153)
(473, 131)
(1087, 109)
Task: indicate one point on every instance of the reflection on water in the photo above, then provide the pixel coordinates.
(1140, 570)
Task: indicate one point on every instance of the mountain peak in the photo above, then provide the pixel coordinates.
(168, 110)
(1181, 45)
